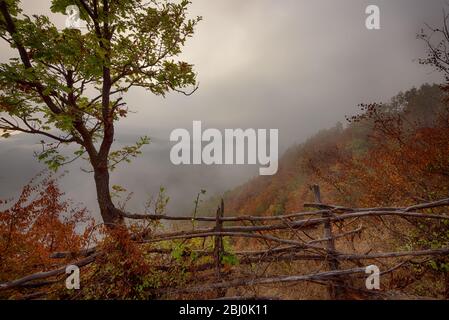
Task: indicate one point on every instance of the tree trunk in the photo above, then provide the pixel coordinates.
(110, 214)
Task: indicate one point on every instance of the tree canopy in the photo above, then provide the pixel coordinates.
(69, 86)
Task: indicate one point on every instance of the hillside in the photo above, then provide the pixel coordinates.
(334, 158)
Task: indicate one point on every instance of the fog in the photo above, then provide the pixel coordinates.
(293, 65)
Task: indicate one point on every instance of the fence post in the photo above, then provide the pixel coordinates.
(218, 247)
(335, 291)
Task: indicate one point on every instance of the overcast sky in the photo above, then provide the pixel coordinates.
(293, 65)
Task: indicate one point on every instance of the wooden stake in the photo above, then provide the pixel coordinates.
(218, 248)
(335, 291)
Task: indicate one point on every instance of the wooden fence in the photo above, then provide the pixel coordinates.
(290, 245)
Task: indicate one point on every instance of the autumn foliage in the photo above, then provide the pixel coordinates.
(403, 159)
(35, 225)
(390, 154)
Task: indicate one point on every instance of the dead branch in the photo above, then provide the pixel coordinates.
(433, 252)
(225, 219)
(46, 274)
(270, 280)
(427, 205)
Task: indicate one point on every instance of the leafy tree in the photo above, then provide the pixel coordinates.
(68, 86)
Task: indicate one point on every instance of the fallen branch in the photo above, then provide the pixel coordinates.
(213, 219)
(307, 223)
(428, 205)
(46, 274)
(73, 254)
(323, 207)
(297, 244)
(270, 280)
(432, 252)
(346, 256)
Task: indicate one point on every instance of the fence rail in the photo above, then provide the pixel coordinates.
(279, 234)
